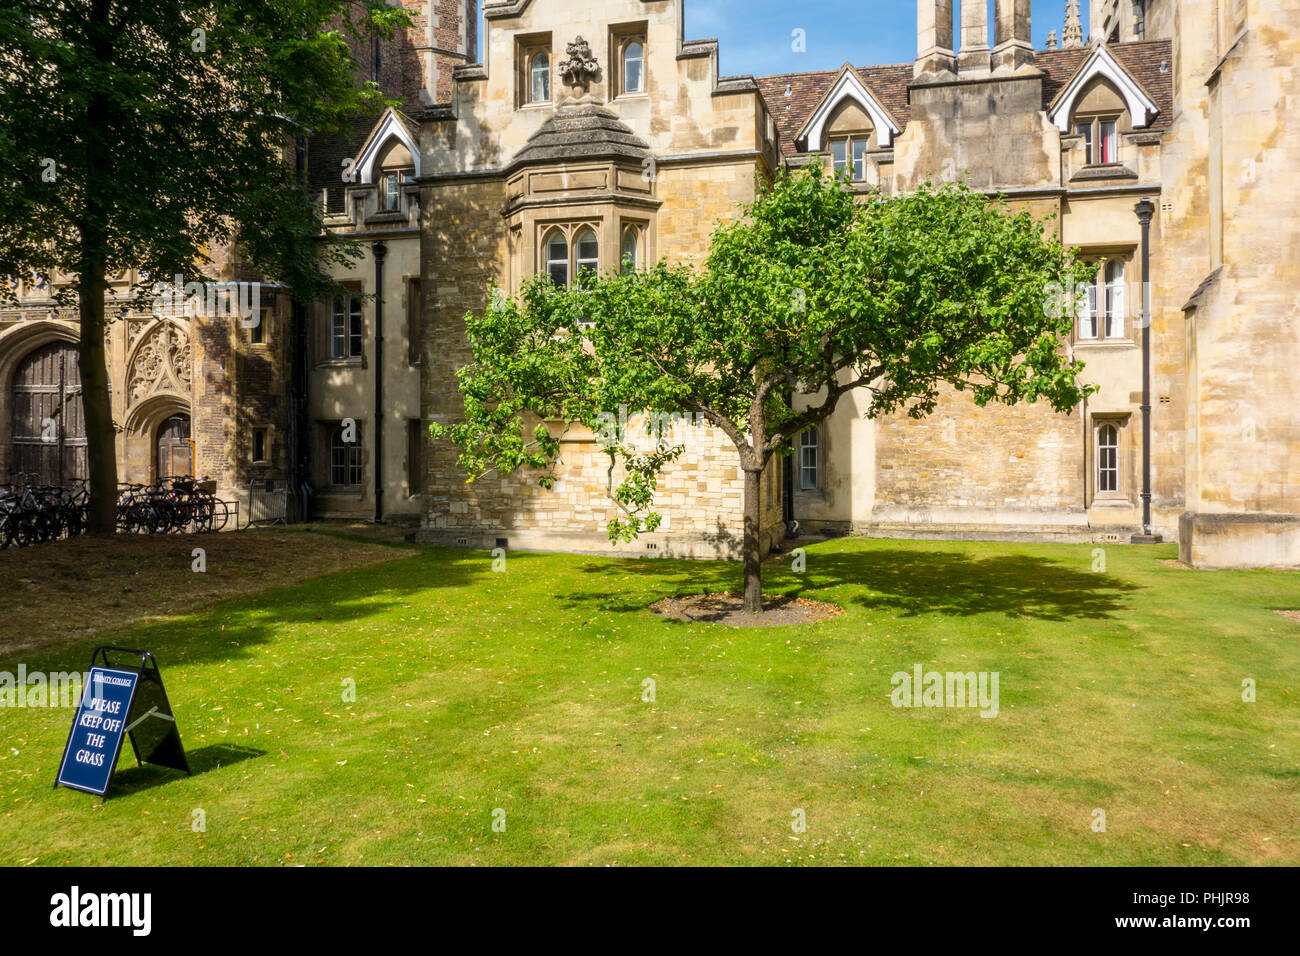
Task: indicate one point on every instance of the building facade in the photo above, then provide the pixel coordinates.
(582, 137)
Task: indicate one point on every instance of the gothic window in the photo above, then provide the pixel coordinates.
(808, 460)
(1107, 459)
(629, 254)
(557, 258)
(345, 327)
(570, 253)
(586, 256)
(539, 78)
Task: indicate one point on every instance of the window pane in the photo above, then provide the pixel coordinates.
(557, 259)
(1085, 130)
(337, 331)
(1088, 323)
(808, 459)
(588, 250)
(839, 154)
(541, 78)
(628, 255)
(390, 191)
(633, 61)
(1109, 136)
(1115, 306)
(354, 328)
(860, 159)
(1107, 458)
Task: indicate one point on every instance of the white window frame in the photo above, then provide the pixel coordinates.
(347, 333)
(809, 460)
(639, 59)
(539, 67)
(1107, 466)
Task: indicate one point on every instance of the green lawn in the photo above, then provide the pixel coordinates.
(522, 690)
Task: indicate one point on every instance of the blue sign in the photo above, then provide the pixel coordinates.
(96, 739)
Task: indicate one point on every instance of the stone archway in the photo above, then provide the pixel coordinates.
(144, 422)
(16, 346)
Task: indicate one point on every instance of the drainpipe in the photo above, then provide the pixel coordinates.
(1145, 210)
(380, 250)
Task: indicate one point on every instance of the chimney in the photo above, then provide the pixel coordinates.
(1014, 42)
(974, 54)
(934, 53)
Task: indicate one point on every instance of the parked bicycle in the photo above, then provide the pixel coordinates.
(31, 513)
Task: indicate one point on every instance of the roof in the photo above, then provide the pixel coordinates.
(1143, 59)
(587, 131)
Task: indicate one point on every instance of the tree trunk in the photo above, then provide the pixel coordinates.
(97, 402)
(92, 226)
(753, 557)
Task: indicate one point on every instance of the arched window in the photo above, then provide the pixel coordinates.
(1114, 299)
(539, 78)
(557, 258)
(586, 255)
(808, 460)
(628, 253)
(633, 67)
(1107, 459)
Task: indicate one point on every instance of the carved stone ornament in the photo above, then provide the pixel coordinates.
(581, 67)
(161, 364)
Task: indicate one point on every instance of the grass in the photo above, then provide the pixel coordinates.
(523, 691)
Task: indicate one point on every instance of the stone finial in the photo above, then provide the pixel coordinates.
(1051, 40)
(581, 67)
(1073, 36)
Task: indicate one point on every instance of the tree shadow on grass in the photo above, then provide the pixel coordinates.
(906, 582)
(223, 631)
(146, 776)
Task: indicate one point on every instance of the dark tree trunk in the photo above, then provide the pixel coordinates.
(753, 557)
(101, 439)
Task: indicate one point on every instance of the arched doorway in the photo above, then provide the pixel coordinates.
(175, 450)
(48, 423)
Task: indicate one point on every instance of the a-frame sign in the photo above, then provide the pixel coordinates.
(118, 700)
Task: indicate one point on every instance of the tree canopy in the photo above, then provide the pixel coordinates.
(812, 292)
(148, 135)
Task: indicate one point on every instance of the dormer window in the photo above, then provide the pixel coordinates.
(392, 195)
(1100, 140)
(850, 152)
(539, 78)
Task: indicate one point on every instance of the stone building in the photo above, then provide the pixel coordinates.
(584, 136)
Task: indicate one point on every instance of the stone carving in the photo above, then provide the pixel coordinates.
(161, 363)
(581, 67)
(1073, 38)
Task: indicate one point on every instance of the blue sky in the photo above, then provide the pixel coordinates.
(755, 35)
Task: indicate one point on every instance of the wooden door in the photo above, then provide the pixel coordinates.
(48, 422)
(175, 452)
